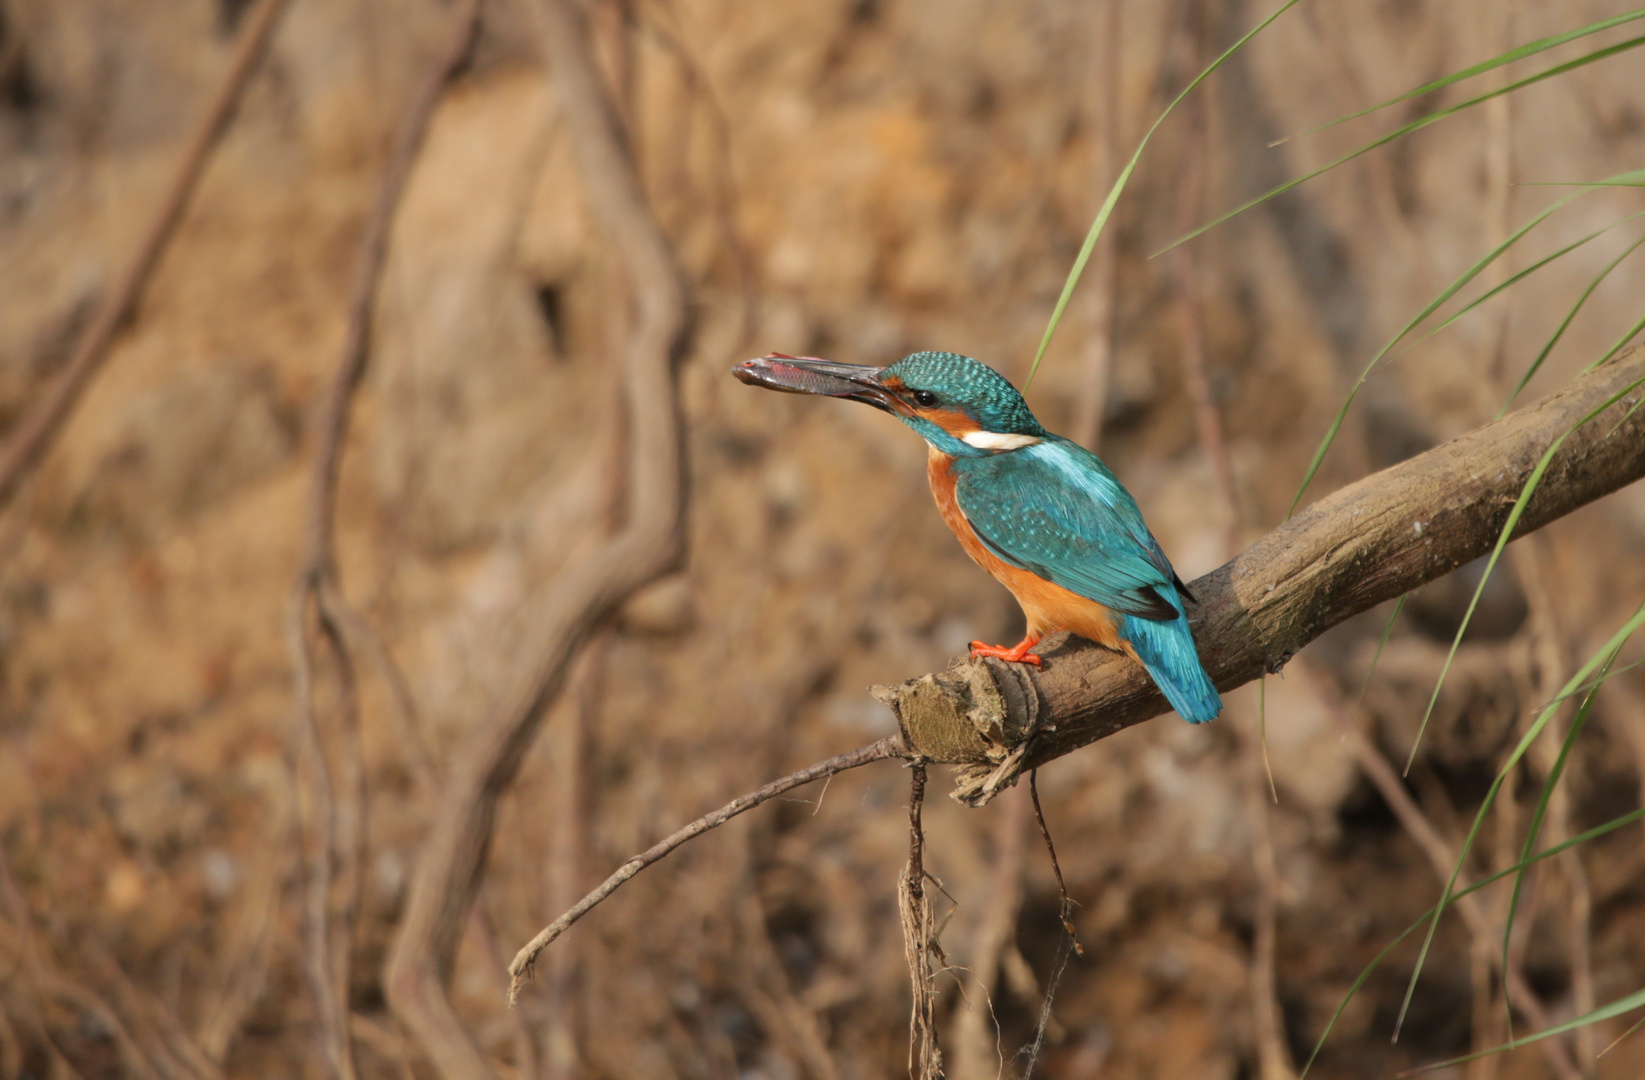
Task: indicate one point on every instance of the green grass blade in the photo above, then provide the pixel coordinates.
(1416, 125)
(1124, 178)
(1620, 1006)
(1536, 364)
(1357, 984)
(1581, 838)
(1525, 273)
(1620, 342)
(1387, 632)
(1584, 689)
(1538, 815)
(1434, 305)
(1530, 48)
(1531, 734)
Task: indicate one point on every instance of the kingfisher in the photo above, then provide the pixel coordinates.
(1039, 512)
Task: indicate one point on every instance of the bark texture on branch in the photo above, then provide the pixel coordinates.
(1364, 544)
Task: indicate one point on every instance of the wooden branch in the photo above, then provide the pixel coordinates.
(1366, 543)
(649, 543)
(27, 441)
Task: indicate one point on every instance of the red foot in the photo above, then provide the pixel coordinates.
(1016, 654)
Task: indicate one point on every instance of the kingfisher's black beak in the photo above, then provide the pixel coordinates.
(808, 375)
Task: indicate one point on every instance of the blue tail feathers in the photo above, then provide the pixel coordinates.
(1167, 650)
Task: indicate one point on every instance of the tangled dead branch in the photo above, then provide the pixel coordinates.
(336, 834)
(919, 937)
(649, 543)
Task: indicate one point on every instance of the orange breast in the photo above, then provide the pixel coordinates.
(1048, 607)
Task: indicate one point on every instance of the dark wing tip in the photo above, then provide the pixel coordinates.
(1183, 589)
(1151, 605)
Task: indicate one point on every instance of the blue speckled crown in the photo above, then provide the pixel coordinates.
(970, 385)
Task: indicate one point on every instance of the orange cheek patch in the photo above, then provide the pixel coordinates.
(952, 421)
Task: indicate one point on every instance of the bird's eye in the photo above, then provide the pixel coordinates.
(924, 398)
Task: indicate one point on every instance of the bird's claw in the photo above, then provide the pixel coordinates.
(1016, 654)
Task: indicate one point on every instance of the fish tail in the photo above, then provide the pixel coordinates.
(1167, 650)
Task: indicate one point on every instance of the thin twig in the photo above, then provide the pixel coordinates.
(1207, 418)
(1499, 193)
(385, 1040)
(11, 1047)
(1070, 944)
(1269, 1020)
(794, 1024)
(521, 967)
(567, 860)
(317, 852)
(1526, 559)
(1066, 904)
(339, 821)
(1612, 1045)
(28, 440)
(1485, 1018)
(11, 56)
(410, 733)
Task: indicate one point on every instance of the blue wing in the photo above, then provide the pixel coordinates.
(1054, 509)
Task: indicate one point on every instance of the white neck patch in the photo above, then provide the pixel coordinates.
(994, 440)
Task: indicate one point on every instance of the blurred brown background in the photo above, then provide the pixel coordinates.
(854, 179)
